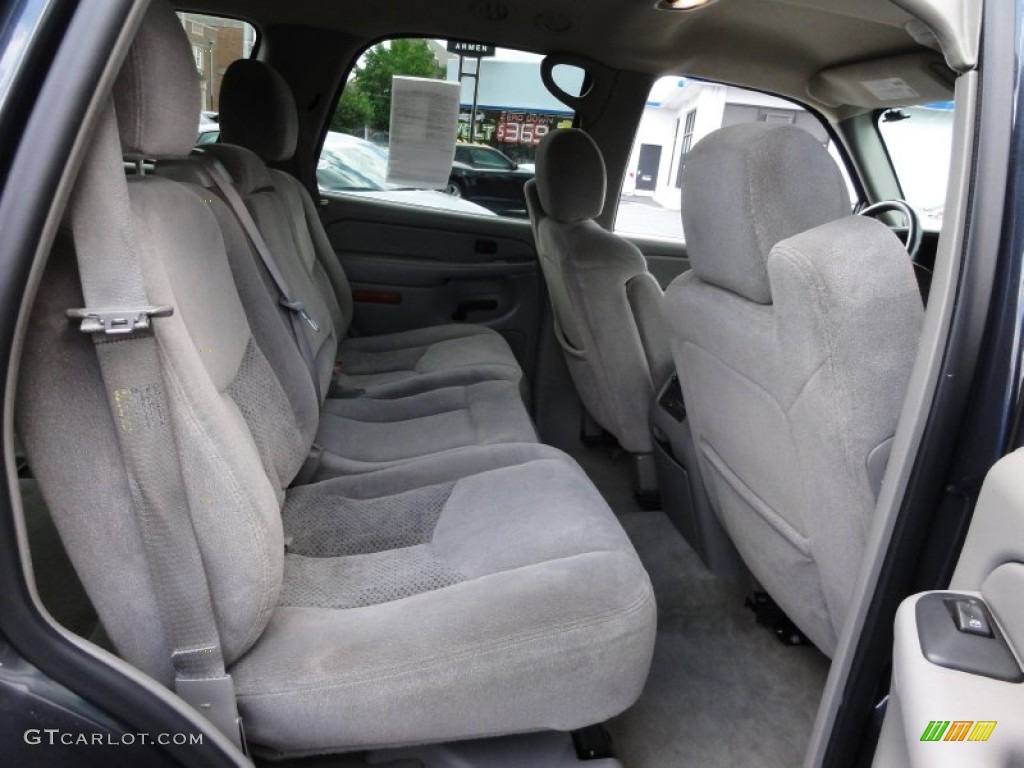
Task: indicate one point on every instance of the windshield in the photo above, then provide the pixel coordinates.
(919, 140)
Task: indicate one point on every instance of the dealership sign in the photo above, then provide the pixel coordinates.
(502, 126)
(462, 48)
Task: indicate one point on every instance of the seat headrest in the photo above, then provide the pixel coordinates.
(257, 111)
(156, 95)
(747, 187)
(570, 176)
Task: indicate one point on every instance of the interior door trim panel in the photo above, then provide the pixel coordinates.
(929, 704)
(412, 267)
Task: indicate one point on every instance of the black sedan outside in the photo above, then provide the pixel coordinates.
(487, 177)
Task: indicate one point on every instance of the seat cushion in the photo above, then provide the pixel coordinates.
(364, 434)
(410, 362)
(449, 614)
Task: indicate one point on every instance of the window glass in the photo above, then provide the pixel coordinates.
(216, 43)
(505, 110)
(919, 140)
(679, 113)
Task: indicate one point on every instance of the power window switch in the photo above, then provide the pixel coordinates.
(970, 618)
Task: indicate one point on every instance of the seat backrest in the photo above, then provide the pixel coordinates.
(793, 336)
(259, 126)
(593, 278)
(236, 433)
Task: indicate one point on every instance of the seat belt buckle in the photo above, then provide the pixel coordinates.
(118, 322)
(300, 309)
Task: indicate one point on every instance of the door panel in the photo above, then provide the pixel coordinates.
(954, 714)
(666, 259)
(412, 267)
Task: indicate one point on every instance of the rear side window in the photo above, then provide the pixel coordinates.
(504, 112)
(678, 114)
(216, 43)
(919, 141)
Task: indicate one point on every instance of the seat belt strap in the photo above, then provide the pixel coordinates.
(119, 318)
(296, 309)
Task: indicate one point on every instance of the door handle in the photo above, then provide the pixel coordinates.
(475, 305)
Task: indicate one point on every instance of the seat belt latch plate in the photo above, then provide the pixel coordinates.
(118, 322)
(300, 309)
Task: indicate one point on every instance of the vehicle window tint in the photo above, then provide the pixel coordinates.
(216, 43)
(678, 114)
(505, 110)
(919, 140)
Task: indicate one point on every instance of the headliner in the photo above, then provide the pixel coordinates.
(771, 45)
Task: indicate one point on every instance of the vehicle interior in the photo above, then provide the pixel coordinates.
(427, 481)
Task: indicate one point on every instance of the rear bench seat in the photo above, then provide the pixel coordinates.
(385, 399)
(478, 591)
(259, 125)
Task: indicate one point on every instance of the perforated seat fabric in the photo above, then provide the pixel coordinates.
(486, 590)
(793, 335)
(606, 305)
(257, 119)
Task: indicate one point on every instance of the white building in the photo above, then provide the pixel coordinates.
(679, 113)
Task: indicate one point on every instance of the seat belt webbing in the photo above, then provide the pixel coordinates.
(296, 310)
(119, 317)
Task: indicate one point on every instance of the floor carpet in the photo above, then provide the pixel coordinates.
(722, 691)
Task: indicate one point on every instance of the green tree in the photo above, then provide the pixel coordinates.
(403, 56)
(354, 111)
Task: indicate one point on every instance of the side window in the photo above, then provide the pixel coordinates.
(919, 141)
(504, 112)
(216, 43)
(679, 113)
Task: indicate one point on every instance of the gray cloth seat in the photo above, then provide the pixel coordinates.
(397, 364)
(606, 304)
(365, 434)
(259, 125)
(793, 335)
(421, 391)
(449, 610)
(485, 590)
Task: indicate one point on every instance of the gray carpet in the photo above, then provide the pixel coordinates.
(722, 690)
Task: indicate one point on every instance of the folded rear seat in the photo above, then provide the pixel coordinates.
(484, 591)
(419, 392)
(259, 125)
